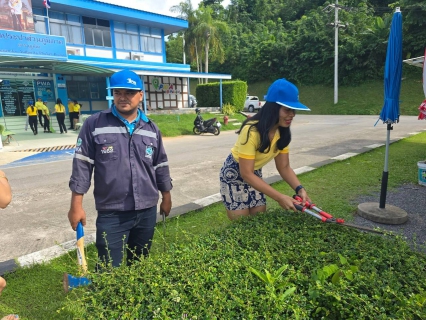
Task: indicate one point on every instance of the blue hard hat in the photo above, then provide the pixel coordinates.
(286, 94)
(125, 79)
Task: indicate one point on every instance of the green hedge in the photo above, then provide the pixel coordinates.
(233, 92)
(273, 266)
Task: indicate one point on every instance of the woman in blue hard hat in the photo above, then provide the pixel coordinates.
(262, 137)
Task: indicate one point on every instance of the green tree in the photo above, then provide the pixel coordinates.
(208, 32)
(174, 48)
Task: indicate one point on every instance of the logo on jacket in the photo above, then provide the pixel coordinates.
(149, 151)
(109, 149)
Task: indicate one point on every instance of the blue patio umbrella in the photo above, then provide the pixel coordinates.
(393, 76)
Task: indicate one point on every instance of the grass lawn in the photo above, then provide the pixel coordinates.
(36, 292)
(173, 125)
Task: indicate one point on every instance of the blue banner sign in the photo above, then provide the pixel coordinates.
(32, 45)
(44, 90)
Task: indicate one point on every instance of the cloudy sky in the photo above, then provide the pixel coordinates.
(158, 6)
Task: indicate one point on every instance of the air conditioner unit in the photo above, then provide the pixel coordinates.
(73, 52)
(136, 56)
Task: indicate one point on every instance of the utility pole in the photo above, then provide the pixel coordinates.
(336, 53)
(184, 55)
(336, 25)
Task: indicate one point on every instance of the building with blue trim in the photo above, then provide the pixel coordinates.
(69, 50)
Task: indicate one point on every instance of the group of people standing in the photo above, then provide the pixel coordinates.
(40, 110)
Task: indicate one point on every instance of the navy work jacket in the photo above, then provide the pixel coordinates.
(129, 170)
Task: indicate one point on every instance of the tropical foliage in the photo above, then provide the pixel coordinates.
(258, 40)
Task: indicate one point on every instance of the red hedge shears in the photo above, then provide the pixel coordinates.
(320, 214)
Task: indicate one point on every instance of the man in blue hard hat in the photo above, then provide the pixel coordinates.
(125, 150)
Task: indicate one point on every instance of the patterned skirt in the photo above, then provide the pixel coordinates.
(236, 193)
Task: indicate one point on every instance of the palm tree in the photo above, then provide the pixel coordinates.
(192, 47)
(209, 31)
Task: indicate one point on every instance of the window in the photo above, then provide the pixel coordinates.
(85, 88)
(40, 24)
(97, 32)
(151, 40)
(66, 25)
(138, 38)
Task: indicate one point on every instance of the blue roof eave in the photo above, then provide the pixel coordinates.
(107, 11)
(146, 67)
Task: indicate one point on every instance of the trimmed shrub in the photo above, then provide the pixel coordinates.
(233, 92)
(272, 266)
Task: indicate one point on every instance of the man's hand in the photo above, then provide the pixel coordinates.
(166, 203)
(76, 213)
(75, 216)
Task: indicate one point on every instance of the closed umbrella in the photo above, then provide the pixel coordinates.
(422, 108)
(393, 76)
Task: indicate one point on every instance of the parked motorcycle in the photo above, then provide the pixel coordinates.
(205, 126)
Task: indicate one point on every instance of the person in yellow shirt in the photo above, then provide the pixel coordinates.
(46, 117)
(71, 113)
(77, 108)
(39, 105)
(32, 116)
(262, 137)
(60, 115)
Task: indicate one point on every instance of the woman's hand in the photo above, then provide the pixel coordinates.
(287, 203)
(303, 194)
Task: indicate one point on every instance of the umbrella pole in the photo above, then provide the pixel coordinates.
(385, 174)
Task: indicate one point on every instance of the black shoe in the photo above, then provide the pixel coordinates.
(61, 132)
(66, 131)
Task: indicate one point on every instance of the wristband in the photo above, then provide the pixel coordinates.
(298, 188)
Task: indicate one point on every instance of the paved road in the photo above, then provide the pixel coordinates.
(37, 216)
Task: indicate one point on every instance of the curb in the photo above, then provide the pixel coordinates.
(48, 254)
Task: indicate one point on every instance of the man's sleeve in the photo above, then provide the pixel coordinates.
(83, 162)
(161, 166)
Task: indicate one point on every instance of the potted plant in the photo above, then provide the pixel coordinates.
(227, 110)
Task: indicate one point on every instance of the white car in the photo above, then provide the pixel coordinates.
(252, 103)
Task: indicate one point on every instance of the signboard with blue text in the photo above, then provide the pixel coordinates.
(32, 45)
(44, 90)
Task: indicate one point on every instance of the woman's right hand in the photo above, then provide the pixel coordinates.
(287, 203)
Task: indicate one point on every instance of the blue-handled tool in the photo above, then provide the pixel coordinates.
(70, 282)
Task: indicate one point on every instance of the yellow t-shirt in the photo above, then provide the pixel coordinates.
(249, 150)
(59, 108)
(71, 106)
(76, 108)
(32, 112)
(39, 105)
(45, 110)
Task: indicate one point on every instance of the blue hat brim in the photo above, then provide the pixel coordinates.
(127, 88)
(294, 105)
